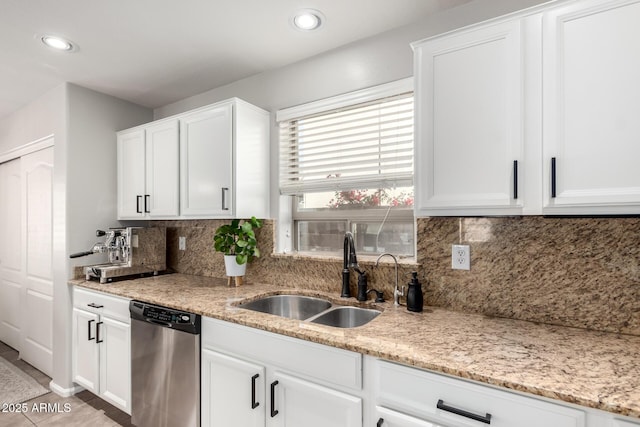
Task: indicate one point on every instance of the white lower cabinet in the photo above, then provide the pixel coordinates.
(622, 423)
(442, 400)
(233, 391)
(296, 402)
(255, 378)
(101, 354)
(389, 418)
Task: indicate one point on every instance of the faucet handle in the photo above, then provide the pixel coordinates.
(379, 294)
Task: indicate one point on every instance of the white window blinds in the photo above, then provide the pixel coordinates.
(368, 145)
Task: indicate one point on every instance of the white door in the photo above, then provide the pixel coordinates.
(233, 392)
(387, 418)
(85, 350)
(298, 403)
(37, 300)
(115, 362)
(161, 198)
(591, 109)
(10, 252)
(131, 174)
(206, 141)
(469, 126)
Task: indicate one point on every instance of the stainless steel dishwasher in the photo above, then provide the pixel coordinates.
(165, 366)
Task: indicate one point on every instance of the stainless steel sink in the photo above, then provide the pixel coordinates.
(292, 306)
(346, 317)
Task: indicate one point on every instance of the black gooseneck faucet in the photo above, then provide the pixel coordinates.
(349, 261)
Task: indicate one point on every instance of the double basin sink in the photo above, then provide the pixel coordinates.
(313, 310)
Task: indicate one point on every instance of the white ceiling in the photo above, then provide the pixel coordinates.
(155, 52)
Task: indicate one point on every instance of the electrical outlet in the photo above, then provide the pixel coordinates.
(460, 257)
(182, 243)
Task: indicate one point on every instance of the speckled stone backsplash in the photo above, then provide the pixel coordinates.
(580, 272)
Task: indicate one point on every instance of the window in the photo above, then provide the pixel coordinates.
(347, 162)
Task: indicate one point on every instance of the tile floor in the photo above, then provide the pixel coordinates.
(85, 409)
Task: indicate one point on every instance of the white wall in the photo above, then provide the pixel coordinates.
(83, 123)
(369, 62)
(93, 119)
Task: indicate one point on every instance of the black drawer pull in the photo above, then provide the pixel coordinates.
(483, 419)
(254, 404)
(89, 337)
(515, 179)
(224, 199)
(138, 198)
(147, 202)
(553, 177)
(98, 340)
(274, 411)
(380, 422)
(94, 305)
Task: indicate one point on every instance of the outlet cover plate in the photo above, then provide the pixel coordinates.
(460, 257)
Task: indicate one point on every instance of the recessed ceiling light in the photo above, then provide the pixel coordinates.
(57, 43)
(307, 20)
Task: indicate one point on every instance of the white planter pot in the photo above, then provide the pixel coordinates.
(233, 268)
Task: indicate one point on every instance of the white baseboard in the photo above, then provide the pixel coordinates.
(65, 392)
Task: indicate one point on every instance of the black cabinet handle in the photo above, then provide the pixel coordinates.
(98, 340)
(94, 305)
(89, 337)
(274, 411)
(138, 199)
(380, 422)
(515, 179)
(483, 419)
(254, 404)
(553, 177)
(224, 199)
(147, 202)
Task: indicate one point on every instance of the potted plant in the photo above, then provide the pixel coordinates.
(237, 241)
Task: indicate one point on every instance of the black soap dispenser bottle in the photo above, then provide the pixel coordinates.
(414, 294)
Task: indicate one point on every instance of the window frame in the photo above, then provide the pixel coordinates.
(349, 216)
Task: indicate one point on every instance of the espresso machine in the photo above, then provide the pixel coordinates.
(130, 250)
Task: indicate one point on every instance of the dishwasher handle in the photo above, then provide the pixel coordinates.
(159, 322)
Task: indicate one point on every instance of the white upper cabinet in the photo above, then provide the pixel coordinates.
(212, 162)
(162, 197)
(131, 174)
(469, 113)
(206, 162)
(553, 88)
(591, 108)
(148, 171)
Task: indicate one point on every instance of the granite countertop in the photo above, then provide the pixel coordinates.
(595, 369)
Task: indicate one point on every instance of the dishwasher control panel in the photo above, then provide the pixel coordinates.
(165, 316)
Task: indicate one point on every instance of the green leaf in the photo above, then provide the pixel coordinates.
(241, 259)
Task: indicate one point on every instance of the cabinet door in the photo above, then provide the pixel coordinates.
(232, 391)
(591, 108)
(295, 402)
(85, 352)
(131, 174)
(206, 141)
(388, 418)
(115, 362)
(469, 122)
(161, 198)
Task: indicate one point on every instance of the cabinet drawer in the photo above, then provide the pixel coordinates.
(112, 306)
(326, 365)
(419, 392)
